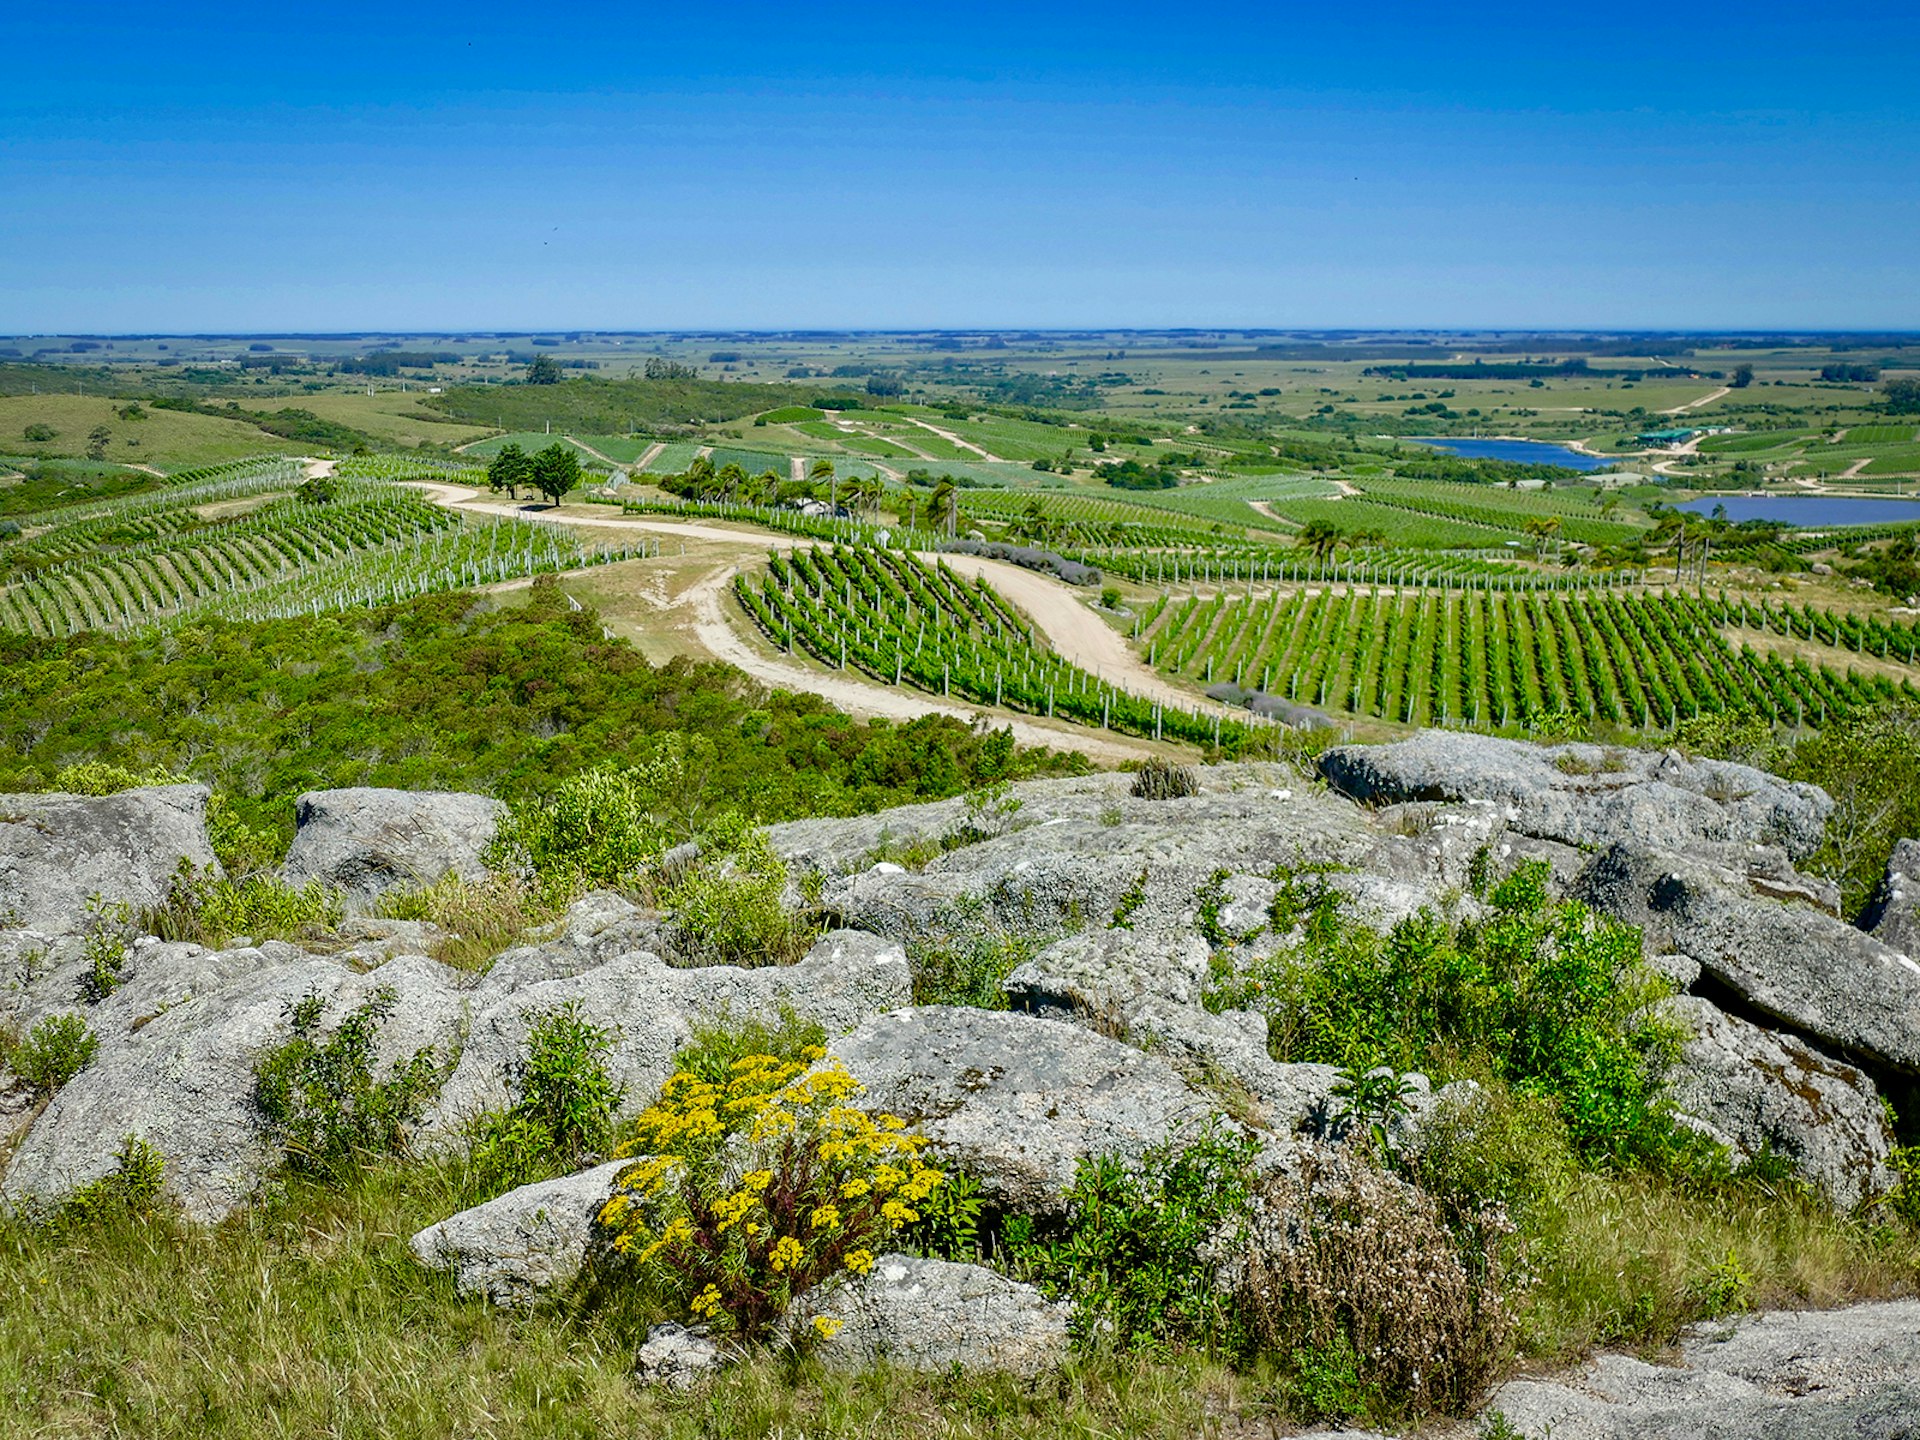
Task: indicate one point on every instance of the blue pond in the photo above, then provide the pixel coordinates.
(1525, 452)
(1808, 510)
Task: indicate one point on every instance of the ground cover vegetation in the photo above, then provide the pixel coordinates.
(448, 692)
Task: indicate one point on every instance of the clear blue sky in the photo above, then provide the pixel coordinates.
(352, 166)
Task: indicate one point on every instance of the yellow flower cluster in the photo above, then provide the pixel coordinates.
(825, 1184)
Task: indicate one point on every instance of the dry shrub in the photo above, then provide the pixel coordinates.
(1352, 1280)
(1159, 779)
(480, 917)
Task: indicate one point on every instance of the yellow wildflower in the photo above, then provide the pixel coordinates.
(787, 1252)
(859, 1261)
(707, 1302)
(826, 1326)
(854, 1189)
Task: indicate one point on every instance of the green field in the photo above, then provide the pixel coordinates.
(164, 439)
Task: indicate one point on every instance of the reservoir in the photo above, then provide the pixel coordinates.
(1523, 452)
(1808, 511)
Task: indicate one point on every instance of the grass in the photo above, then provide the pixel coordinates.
(310, 1317)
(392, 416)
(166, 439)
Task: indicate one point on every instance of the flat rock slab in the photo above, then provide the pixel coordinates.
(934, 1315)
(368, 841)
(1016, 1100)
(58, 852)
(521, 1245)
(1588, 795)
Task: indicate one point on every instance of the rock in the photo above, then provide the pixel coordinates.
(1817, 974)
(651, 1008)
(1820, 1375)
(1751, 1090)
(367, 841)
(933, 1315)
(1101, 972)
(182, 1078)
(517, 1247)
(1016, 1100)
(1893, 915)
(58, 852)
(1589, 795)
(677, 1358)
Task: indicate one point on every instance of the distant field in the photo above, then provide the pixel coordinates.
(392, 416)
(166, 439)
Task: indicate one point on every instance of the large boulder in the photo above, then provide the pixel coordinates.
(934, 1316)
(521, 1245)
(58, 853)
(182, 1078)
(651, 1008)
(1590, 795)
(1893, 915)
(1820, 1375)
(368, 841)
(1015, 1100)
(1754, 1090)
(1791, 962)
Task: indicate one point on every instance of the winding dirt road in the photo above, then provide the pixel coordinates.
(1074, 633)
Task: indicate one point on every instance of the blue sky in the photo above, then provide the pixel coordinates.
(351, 166)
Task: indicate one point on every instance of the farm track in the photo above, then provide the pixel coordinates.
(954, 440)
(1704, 400)
(1074, 634)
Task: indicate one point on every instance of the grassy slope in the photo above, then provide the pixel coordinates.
(592, 406)
(168, 439)
(392, 416)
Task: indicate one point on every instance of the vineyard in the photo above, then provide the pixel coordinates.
(374, 543)
(906, 623)
(1495, 659)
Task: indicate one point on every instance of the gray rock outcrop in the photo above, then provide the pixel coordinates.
(59, 852)
(1754, 1090)
(182, 1078)
(1817, 974)
(651, 1008)
(677, 1358)
(366, 842)
(1893, 915)
(524, 1244)
(1590, 795)
(933, 1315)
(1017, 1100)
(1811, 1375)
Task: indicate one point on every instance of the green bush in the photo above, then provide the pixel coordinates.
(1132, 1251)
(1159, 779)
(563, 1116)
(717, 1044)
(1548, 997)
(728, 905)
(208, 910)
(54, 1051)
(319, 1098)
(131, 1191)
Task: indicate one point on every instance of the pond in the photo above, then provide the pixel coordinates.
(1808, 511)
(1524, 452)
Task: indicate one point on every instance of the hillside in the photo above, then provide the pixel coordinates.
(590, 405)
(1531, 1051)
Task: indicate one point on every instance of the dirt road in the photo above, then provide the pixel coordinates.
(953, 439)
(1696, 404)
(1075, 632)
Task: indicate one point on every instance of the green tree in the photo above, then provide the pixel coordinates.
(509, 470)
(1321, 537)
(544, 370)
(943, 506)
(1902, 397)
(556, 470)
(1742, 377)
(97, 439)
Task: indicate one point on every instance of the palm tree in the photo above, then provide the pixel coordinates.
(731, 479)
(823, 470)
(1320, 537)
(943, 508)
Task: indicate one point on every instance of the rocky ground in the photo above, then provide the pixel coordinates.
(1798, 1019)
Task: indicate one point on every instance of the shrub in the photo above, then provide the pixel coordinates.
(717, 1044)
(105, 950)
(728, 906)
(967, 969)
(210, 911)
(1159, 779)
(1133, 1250)
(131, 1191)
(1551, 998)
(1352, 1280)
(97, 777)
(814, 1187)
(54, 1051)
(319, 1098)
(566, 1106)
(602, 828)
(39, 433)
